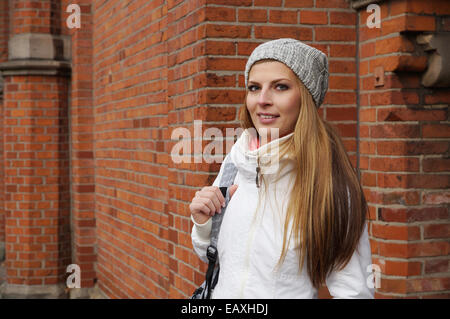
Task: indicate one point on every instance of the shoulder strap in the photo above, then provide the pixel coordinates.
(227, 179)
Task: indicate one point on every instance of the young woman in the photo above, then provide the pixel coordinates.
(296, 218)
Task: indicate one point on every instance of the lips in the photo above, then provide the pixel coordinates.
(268, 115)
(267, 118)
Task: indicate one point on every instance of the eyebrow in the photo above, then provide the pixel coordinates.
(251, 81)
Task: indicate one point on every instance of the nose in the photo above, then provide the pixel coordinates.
(265, 97)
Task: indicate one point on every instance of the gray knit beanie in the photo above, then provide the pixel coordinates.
(308, 63)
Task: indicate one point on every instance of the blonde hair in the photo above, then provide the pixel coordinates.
(326, 209)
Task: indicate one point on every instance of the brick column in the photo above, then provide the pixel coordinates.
(82, 190)
(404, 147)
(36, 152)
(4, 34)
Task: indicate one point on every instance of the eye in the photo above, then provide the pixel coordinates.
(281, 87)
(252, 87)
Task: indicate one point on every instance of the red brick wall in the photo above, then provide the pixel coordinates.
(141, 69)
(142, 196)
(130, 110)
(36, 161)
(207, 47)
(36, 165)
(404, 152)
(42, 16)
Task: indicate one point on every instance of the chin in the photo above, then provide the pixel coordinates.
(267, 130)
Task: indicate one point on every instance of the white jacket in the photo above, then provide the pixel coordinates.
(251, 237)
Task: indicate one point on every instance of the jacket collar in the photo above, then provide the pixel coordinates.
(266, 157)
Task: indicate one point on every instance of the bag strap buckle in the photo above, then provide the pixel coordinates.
(211, 253)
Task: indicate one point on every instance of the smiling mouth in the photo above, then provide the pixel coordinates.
(267, 116)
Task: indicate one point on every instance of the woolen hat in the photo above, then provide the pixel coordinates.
(308, 63)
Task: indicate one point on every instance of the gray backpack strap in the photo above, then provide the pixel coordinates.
(227, 179)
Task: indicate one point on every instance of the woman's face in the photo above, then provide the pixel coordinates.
(273, 99)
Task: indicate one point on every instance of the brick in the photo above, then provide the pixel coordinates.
(393, 45)
(342, 82)
(342, 18)
(222, 97)
(436, 198)
(238, 3)
(342, 50)
(225, 64)
(272, 32)
(346, 130)
(313, 17)
(408, 23)
(298, 3)
(220, 14)
(408, 198)
(215, 114)
(367, 115)
(428, 249)
(367, 50)
(399, 63)
(412, 250)
(402, 81)
(436, 164)
(413, 181)
(395, 232)
(369, 179)
(283, 16)
(339, 66)
(392, 97)
(411, 147)
(252, 15)
(331, 4)
(436, 266)
(403, 215)
(336, 98)
(366, 147)
(341, 114)
(227, 31)
(397, 286)
(436, 231)
(245, 48)
(394, 164)
(403, 114)
(220, 47)
(419, 7)
(428, 284)
(394, 131)
(334, 34)
(402, 268)
(435, 130)
(437, 96)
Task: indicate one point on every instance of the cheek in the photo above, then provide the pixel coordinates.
(292, 111)
(292, 106)
(251, 106)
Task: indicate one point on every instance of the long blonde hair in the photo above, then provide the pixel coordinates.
(327, 207)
